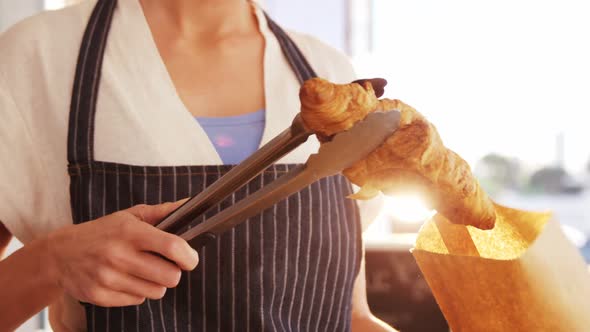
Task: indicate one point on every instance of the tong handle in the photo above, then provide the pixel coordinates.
(341, 152)
(288, 184)
(281, 145)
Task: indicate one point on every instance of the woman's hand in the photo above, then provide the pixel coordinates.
(110, 261)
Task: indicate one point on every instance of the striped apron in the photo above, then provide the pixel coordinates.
(291, 268)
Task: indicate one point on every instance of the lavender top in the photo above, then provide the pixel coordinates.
(235, 137)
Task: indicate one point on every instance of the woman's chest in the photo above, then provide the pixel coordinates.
(218, 79)
(142, 119)
(147, 102)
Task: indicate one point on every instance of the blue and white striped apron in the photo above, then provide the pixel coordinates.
(291, 268)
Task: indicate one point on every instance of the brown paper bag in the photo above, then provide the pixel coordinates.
(523, 275)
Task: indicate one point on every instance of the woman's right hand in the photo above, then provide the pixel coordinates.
(110, 261)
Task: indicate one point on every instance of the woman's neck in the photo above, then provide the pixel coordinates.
(212, 18)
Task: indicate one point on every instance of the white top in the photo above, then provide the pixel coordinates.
(140, 118)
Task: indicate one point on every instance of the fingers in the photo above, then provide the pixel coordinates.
(105, 297)
(174, 248)
(163, 210)
(118, 281)
(154, 269)
(152, 214)
(378, 85)
(145, 237)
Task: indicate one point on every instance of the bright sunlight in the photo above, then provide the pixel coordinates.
(407, 208)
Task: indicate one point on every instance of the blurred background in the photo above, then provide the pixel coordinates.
(505, 82)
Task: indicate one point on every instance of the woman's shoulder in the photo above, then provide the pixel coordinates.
(327, 61)
(47, 22)
(40, 52)
(46, 33)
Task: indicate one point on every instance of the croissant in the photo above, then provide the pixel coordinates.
(413, 159)
(329, 108)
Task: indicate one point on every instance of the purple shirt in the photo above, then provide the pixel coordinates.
(235, 137)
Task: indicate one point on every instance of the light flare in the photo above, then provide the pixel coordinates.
(407, 208)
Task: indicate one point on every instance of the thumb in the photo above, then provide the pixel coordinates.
(152, 214)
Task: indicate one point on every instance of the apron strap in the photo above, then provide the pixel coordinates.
(89, 67)
(86, 83)
(296, 59)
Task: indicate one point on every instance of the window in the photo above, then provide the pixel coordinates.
(505, 82)
(57, 4)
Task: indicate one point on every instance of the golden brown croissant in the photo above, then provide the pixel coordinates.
(331, 108)
(413, 159)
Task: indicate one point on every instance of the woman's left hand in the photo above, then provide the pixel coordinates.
(370, 323)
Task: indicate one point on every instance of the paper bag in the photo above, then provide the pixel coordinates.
(523, 275)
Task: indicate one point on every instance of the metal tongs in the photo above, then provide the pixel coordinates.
(342, 151)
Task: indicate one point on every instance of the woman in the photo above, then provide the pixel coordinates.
(166, 95)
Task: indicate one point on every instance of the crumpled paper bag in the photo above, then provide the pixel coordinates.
(523, 275)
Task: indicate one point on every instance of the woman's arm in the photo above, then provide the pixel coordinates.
(362, 318)
(105, 261)
(26, 284)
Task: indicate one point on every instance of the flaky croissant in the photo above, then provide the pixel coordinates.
(331, 108)
(413, 159)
